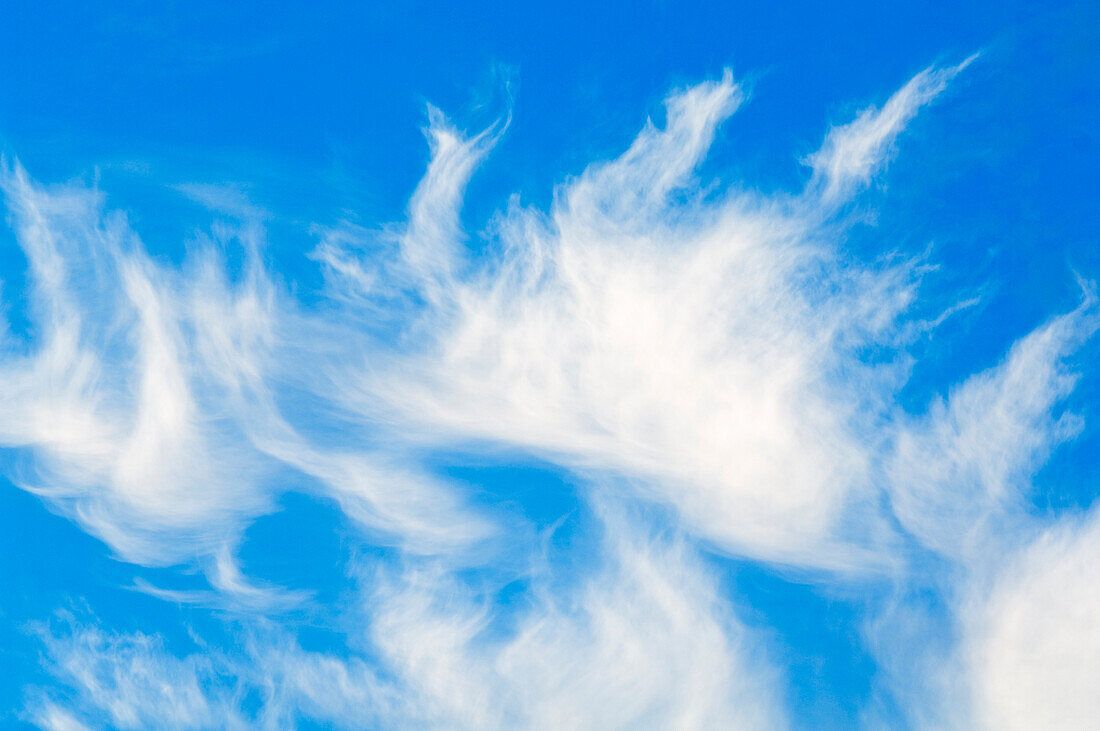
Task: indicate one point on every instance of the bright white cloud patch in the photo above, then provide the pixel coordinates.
(694, 344)
(1034, 643)
(694, 357)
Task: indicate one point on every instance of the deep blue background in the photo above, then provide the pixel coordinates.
(314, 109)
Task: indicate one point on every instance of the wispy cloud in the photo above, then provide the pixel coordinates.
(706, 348)
(646, 638)
(687, 352)
(962, 472)
(1033, 644)
(854, 151)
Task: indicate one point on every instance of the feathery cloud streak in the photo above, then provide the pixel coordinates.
(694, 356)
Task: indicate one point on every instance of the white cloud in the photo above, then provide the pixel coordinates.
(105, 396)
(1033, 644)
(431, 242)
(53, 718)
(133, 683)
(667, 342)
(960, 479)
(146, 393)
(704, 346)
(961, 472)
(852, 152)
(645, 639)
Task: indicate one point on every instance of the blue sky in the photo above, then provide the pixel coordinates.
(687, 365)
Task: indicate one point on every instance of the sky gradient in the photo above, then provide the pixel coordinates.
(652, 365)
